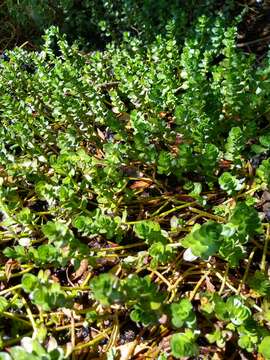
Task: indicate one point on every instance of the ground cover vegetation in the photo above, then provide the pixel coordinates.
(134, 197)
(95, 23)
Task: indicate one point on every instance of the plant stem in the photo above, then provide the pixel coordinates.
(243, 280)
(176, 208)
(29, 313)
(206, 214)
(198, 285)
(267, 236)
(123, 247)
(15, 317)
(11, 289)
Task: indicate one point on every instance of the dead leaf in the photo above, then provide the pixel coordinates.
(141, 184)
(82, 269)
(265, 202)
(100, 134)
(225, 164)
(265, 196)
(9, 266)
(163, 319)
(127, 350)
(163, 114)
(210, 287)
(99, 154)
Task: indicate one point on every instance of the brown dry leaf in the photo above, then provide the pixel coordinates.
(99, 154)
(265, 196)
(55, 279)
(127, 350)
(82, 269)
(266, 203)
(141, 184)
(163, 319)
(210, 287)
(164, 344)
(9, 266)
(225, 164)
(163, 114)
(100, 134)
(217, 356)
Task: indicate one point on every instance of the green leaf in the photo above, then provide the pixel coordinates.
(263, 171)
(232, 250)
(91, 316)
(230, 183)
(161, 253)
(145, 317)
(99, 223)
(235, 143)
(32, 346)
(5, 356)
(204, 240)
(18, 352)
(112, 354)
(264, 348)
(166, 163)
(260, 283)
(245, 220)
(162, 356)
(183, 345)
(105, 289)
(41, 296)
(3, 304)
(237, 311)
(141, 289)
(182, 313)
(149, 231)
(58, 233)
(47, 253)
(247, 340)
(217, 337)
(29, 282)
(265, 140)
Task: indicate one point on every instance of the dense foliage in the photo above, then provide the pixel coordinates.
(94, 23)
(134, 197)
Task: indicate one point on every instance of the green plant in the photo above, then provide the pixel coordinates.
(104, 20)
(116, 165)
(229, 183)
(182, 313)
(204, 240)
(264, 347)
(47, 295)
(31, 349)
(183, 345)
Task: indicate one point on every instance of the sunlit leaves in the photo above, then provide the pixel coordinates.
(245, 220)
(182, 314)
(263, 171)
(264, 348)
(98, 223)
(81, 136)
(183, 345)
(204, 240)
(150, 231)
(105, 289)
(229, 183)
(260, 283)
(44, 293)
